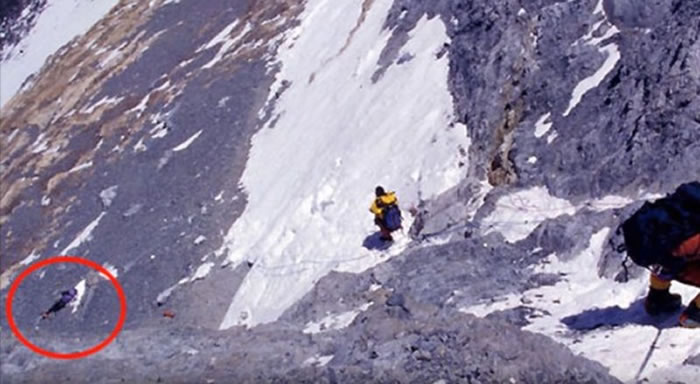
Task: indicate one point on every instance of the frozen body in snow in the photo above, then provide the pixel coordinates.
(67, 296)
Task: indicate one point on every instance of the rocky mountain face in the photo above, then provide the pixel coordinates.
(129, 145)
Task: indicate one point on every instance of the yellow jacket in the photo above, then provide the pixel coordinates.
(382, 201)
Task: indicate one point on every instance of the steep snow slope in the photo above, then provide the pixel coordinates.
(336, 134)
(58, 23)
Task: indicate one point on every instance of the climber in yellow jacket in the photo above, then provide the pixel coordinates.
(387, 216)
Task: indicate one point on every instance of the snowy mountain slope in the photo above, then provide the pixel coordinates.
(221, 159)
(337, 134)
(56, 24)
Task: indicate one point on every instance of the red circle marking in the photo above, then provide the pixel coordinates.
(56, 260)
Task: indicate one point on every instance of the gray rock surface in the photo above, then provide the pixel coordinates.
(420, 343)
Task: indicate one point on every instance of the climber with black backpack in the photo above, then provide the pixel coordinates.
(66, 297)
(387, 215)
(664, 236)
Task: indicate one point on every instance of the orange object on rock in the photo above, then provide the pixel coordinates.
(169, 314)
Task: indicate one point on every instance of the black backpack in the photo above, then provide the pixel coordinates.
(657, 228)
(392, 217)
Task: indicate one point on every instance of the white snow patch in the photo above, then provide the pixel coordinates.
(551, 137)
(227, 43)
(219, 197)
(111, 269)
(187, 142)
(159, 131)
(221, 37)
(612, 31)
(30, 259)
(599, 8)
(201, 272)
(613, 55)
(532, 159)
(75, 303)
(61, 21)
(199, 240)
(163, 296)
(222, 102)
(45, 201)
(12, 135)
(335, 321)
(307, 213)
(543, 125)
(40, 144)
(85, 235)
(108, 195)
(141, 106)
(317, 360)
(104, 101)
(140, 146)
(608, 202)
(112, 55)
(80, 167)
(518, 214)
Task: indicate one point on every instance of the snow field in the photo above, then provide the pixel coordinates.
(59, 23)
(310, 178)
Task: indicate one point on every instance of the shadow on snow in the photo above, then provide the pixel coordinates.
(616, 316)
(373, 242)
